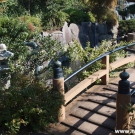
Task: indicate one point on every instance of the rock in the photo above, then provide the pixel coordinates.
(58, 35)
(44, 34)
(102, 29)
(104, 37)
(115, 30)
(75, 30)
(86, 28)
(83, 39)
(94, 35)
(67, 35)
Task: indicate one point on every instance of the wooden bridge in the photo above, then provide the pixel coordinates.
(93, 112)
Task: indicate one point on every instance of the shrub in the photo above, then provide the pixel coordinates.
(54, 20)
(16, 29)
(28, 103)
(35, 21)
(111, 18)
(126, 26)
(77, 16)
(54, 16)
(76, 53)
(12, 8)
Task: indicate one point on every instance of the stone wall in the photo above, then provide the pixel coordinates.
(86, 32)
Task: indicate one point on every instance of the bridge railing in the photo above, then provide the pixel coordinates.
(102, 74)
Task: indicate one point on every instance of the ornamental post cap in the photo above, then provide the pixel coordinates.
(57, 64)
(124, 75)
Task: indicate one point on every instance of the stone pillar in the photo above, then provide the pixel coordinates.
(123, 99)
(58, 84)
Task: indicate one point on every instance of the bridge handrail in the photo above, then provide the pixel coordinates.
(98, 58)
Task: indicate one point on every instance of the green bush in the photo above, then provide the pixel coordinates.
(54, 17)
(28, 103)
(84, 56)
(31, 19)
(77, 16)
(12, 8)
(126, 26)
(16, 28)
(54, 21)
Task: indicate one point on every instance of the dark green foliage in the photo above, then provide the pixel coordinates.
(77, 16)
(13, 32)
(103, 10)
(131, 9)
(126, 26)
(54, 16)
(28, 103)
(32, 6)
(23, 7)
(12, 8)
(15, 29)
(84, 56)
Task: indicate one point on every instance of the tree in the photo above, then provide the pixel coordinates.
(1, 0)
(102, 8)
(33, 6)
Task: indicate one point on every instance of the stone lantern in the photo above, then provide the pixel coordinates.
(4, 68)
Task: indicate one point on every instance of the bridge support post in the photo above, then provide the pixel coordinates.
(123, 99)
(58, 84)
(105, 78)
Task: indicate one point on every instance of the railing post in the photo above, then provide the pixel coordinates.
(58, 83)
(123, 99)
(105, 78)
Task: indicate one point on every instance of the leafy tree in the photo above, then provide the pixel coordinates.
(126, 26)
(54, 15)
(105, 9)
(32, 6)
(20, 104)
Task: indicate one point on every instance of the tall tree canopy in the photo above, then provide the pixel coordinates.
(103, 9)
